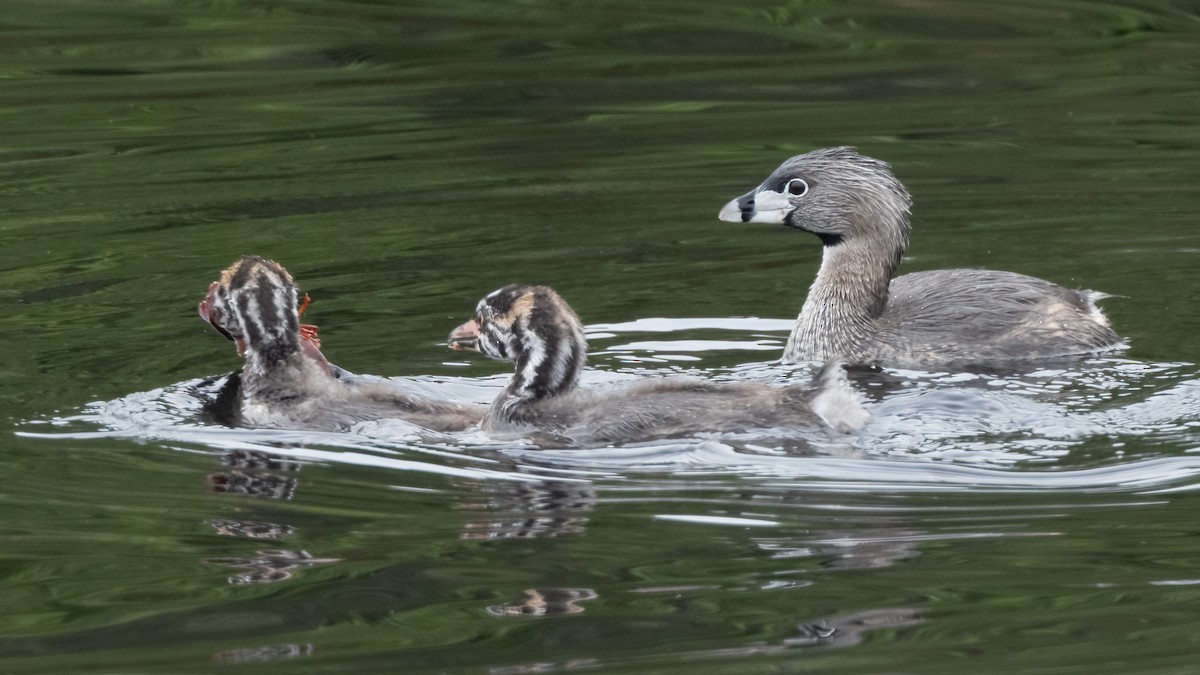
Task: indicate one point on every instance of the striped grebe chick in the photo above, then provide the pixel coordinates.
(285, 381)
(533, 327)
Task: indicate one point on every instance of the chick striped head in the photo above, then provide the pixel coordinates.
(255, 304)
(533, 327)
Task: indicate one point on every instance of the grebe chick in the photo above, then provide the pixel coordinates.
(286, 382)
(535, 329)
(855, 310)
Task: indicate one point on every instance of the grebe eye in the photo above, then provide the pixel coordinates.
(797, 187)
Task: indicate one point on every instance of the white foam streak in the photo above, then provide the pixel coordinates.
(717, 520)
(708, 458)
(665, 325)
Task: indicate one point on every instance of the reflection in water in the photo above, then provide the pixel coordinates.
(845, 630)
(849, 549)
(258, 654)
(530, 510)
(250, 460)
(848, 630)
(254, 485)
(251, 475)
(250, 529)
(547, 667)
(931, 434)
(267, 567)
(545, 602)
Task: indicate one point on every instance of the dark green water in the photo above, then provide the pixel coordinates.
(402, 159)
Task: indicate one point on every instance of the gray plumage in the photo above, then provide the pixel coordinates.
(286, 382)
(856, 311)
(533, 327)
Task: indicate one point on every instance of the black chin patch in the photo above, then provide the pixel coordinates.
(828, 239)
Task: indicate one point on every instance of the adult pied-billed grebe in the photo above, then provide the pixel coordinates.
(286, 381)
(535, 328)
(856, 311)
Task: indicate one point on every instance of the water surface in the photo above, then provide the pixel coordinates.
(404, 159)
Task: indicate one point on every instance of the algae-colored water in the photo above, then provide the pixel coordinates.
(403, 159)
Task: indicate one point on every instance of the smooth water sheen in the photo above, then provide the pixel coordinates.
(403, 159)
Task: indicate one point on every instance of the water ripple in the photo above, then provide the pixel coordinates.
(1077, 426)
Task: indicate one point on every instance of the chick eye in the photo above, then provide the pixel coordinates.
(797, 187)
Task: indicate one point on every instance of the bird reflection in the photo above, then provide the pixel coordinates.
(849, 549)
(844, 630)
(258, 654)
(530, 510)
(251, 529)
(545, 602)
(268, 567)
(847, 630)
(254, 474)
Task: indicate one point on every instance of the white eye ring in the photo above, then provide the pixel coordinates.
(796, 187)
